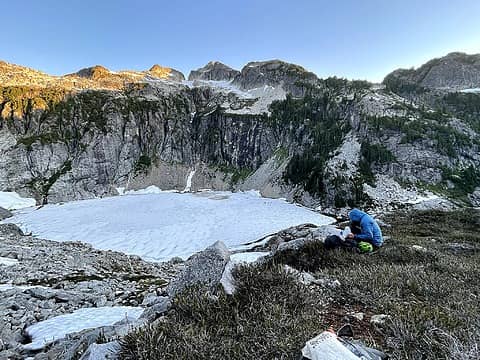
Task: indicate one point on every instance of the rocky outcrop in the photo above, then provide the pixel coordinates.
(162, 72)
(95, 72)
(214, 70)
(456, 71)
(204, 268)
(275, 73)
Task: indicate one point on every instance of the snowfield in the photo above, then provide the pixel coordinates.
(45, 332)
(158, 225)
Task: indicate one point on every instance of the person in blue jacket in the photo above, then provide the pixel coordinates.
(365, 234)
(364, 228)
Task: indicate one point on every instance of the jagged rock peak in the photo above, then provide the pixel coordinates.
(214, 70)
(163, 72)
(93, 72)
(274, 73)
(454, 71)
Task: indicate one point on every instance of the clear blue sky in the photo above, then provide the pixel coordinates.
(362, 39)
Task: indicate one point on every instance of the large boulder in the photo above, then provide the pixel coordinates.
(5, 214)
(159, 306)
(203, 268)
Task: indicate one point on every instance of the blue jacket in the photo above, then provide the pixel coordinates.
(370, 229)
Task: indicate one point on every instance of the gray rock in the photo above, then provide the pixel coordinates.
(152, 299)
(158, 309)
(461, 248)
(41, 293)
(10, 355)
(5, 214)
(107, 351)
(302, 277)
(205, 267)
(473, 197)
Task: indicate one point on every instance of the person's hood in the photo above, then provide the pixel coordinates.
(356, 215)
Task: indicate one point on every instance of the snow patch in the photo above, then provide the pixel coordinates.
(10, 286)
(45, 332)
(388, 191)
(8, 261)
(473, 90)
(157, 225)
(13, 201)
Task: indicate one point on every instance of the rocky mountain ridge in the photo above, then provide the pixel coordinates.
(95, 77)
(273, 126)
(455, 71)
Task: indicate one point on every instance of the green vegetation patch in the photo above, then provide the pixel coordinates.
(143, 163)
(269, 317)
(237, 175)
(322, 121)
(431, 127)
(372, 154)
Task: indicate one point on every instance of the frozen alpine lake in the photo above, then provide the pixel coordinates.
(159, 225)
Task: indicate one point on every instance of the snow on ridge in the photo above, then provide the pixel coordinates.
(55, 328)
(13, 201)
(166, 224)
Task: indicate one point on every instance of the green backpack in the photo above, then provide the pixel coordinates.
(365, 247)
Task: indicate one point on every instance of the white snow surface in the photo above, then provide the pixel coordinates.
(13, 201)
(8, 261)
(247, 257)
(45, 332)
(10, 286)
(263, 96)
(160, 225)
(474, 90)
